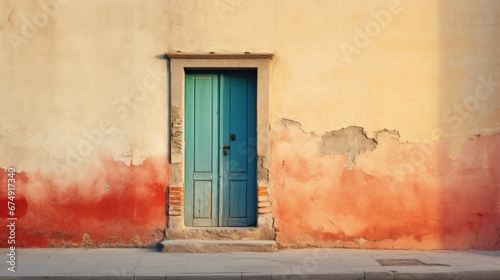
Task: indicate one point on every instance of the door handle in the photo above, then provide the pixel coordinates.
(225, 149)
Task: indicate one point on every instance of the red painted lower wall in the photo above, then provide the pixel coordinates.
(400, 195)
(117, 205)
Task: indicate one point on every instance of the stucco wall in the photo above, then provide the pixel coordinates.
(85, 116)
(84, 120)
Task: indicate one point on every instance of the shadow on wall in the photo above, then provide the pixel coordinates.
(468, 167)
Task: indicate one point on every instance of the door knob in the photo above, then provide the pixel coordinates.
(225, 149)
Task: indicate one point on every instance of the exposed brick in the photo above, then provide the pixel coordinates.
(175, 208)
(263, 198)
(175, 188)
(176, 203)
(264, 210)
(174, 213)
(263, 193)
(173, 203)
(262, 188)
(264, 204)
(175, 193)
(175, 198)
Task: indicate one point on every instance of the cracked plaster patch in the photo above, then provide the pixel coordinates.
(351, 140)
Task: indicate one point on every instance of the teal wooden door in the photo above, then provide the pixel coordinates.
(221, 185)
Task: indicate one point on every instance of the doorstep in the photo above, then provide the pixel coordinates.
(218, 246)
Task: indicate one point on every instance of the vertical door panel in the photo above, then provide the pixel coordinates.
(201, 195)
(203, 134)
(202, 199)
(239, 166)
(238, 198)
(203, 124)
(238, 124)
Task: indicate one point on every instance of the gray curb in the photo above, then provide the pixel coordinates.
(462, 275)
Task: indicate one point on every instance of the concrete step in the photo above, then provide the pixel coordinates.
(221, 233)
(218, 246)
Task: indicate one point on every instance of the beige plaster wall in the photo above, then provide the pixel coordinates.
(84, 121)
(381, 64)
(79, 78)
(410, 66)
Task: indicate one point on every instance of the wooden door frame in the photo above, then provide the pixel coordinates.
(178, 63)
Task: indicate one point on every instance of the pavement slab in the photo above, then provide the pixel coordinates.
(148, 264)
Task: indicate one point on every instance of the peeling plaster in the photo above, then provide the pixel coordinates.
(351, 140)
(87, 240)
(289, 122)
(262, 170)
(380, 134)
(176, 134)
(401, 195)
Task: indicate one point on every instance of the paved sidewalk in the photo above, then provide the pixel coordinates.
(284, 264)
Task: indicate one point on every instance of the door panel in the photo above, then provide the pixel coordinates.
(239, 167)
(238, 113)
(201, 141)
(203, 119)
(221, 187)
(238, 199)
(202, 199)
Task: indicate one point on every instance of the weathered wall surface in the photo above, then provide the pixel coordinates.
(400, 195)
(84, 121)
(385, 116)
(352, 73)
